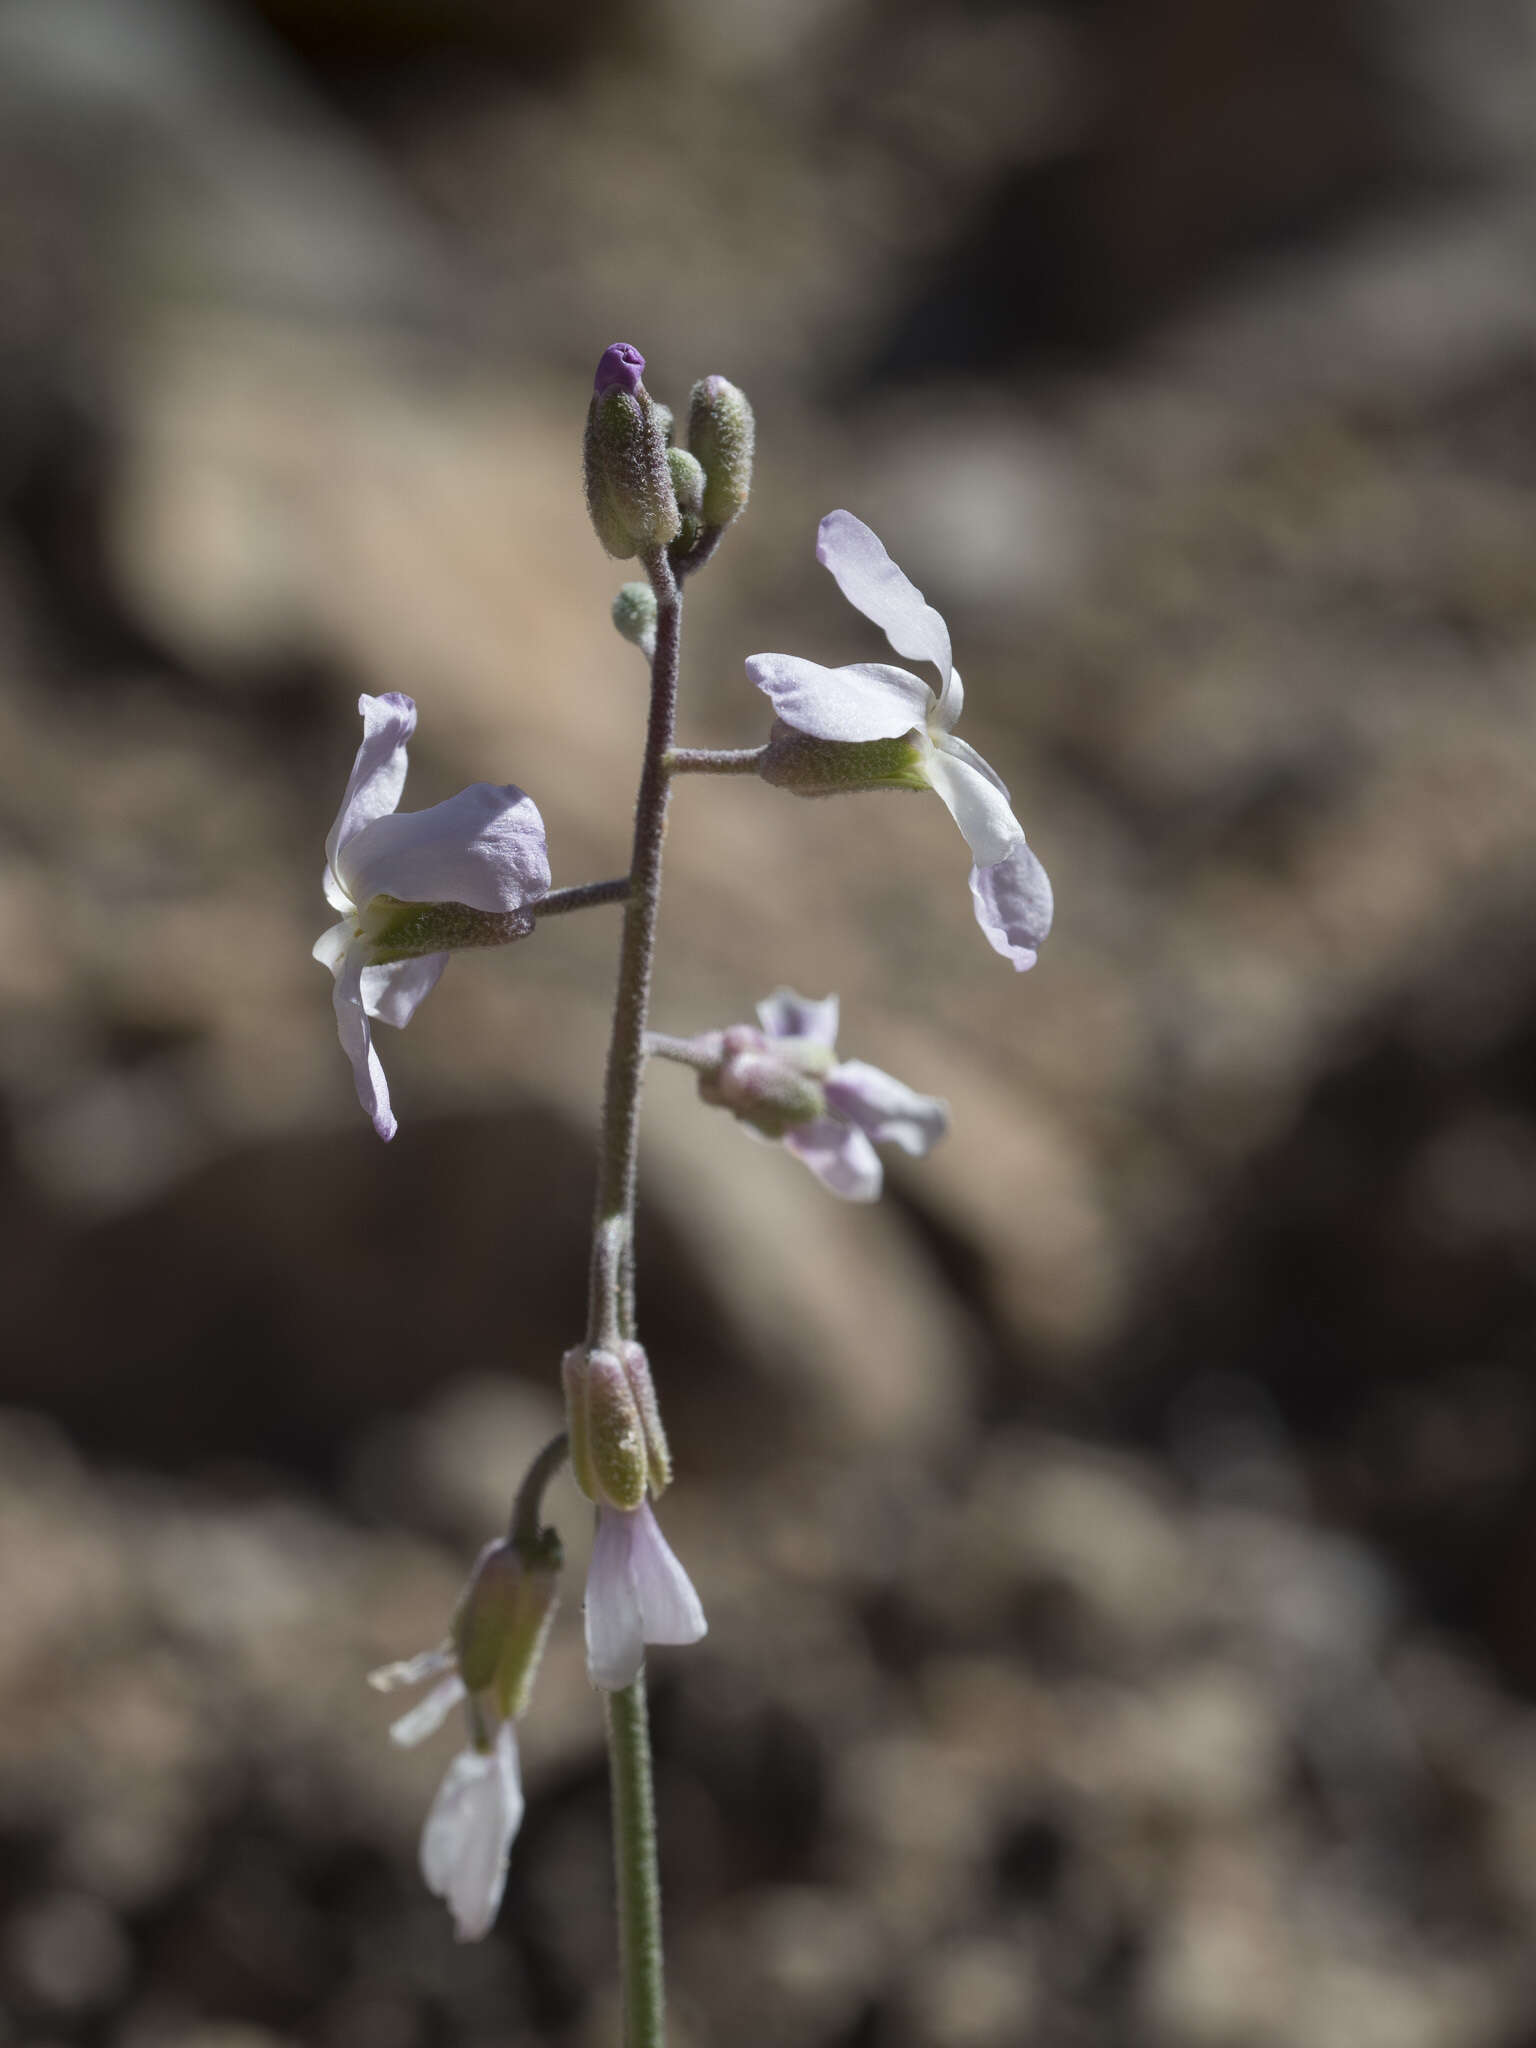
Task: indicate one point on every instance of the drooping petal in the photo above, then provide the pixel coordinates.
(886, 1109)
(840, 1156)
(469, 1831)
(378, 773)
(1013, 905)
(670, 1611)
(484, 847)
(976, 798)
(429, 1714)
(868, 701)
(787, 1015)
(615, 1638)
(873, 584)
(393, 993)
(637, 1593)
(357, 1043)
(413, 1670)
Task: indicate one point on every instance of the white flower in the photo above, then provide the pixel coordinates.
(872, 701)
(480, 857)
(468, 1834)
(487, 1665)
(637, 1593)
(478, 1807)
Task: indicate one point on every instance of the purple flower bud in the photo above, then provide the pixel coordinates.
(620, 368)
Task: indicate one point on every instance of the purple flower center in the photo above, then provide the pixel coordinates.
(619, 368)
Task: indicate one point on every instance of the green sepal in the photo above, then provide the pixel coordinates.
(503, 1620)
(811, 767)
(406, 931)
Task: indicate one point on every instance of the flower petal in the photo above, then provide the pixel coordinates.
(615, 1637)
(394, 992)
(484, 847)
(976, 798)
(330, 949)
(865, 702)
(873, 584)
(670, 1611)
(840, 1156)
(886, 1109)
(413, 1670)
(378, 773)
(429, 1714)
(469, 1831)
(1013, 905)
(787, 1015)
(357, 1043)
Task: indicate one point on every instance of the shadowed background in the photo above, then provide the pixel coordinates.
(1117, 1545)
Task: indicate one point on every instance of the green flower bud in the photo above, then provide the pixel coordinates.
(503, 1620)
(810, 767)
(629, 486)
(721, 433)
(664, 420)
(687, 480)
(762, 1086)
(658, 1459)
(405, 931)
(607, 1435)
(634, 615)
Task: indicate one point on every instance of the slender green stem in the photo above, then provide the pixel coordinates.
(634, 1835)
(528, 1508)
(614, 1223)
(611, 1310)
(715, 760)
(583, 897)
(659, 1046)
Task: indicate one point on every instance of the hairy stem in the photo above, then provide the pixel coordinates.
(611, 1312)
(634, 1835)
(528, 1509)
(659, 1046)
(584, 896)
(715, 760)
(618, 1144)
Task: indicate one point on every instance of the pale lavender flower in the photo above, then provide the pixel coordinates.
(872, 701)
(786, 1082)
(487, 1666)
(637, 1593)
(413, 886)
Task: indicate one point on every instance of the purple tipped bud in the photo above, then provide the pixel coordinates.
(619, 368)
(629, 485)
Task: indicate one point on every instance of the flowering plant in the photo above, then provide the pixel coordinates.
(413, 887)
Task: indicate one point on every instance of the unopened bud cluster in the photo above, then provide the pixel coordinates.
(644, 494)
(618, 1448)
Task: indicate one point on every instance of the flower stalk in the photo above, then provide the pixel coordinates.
(610, 1307)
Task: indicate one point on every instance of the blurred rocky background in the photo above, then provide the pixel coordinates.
(1119, 1546)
